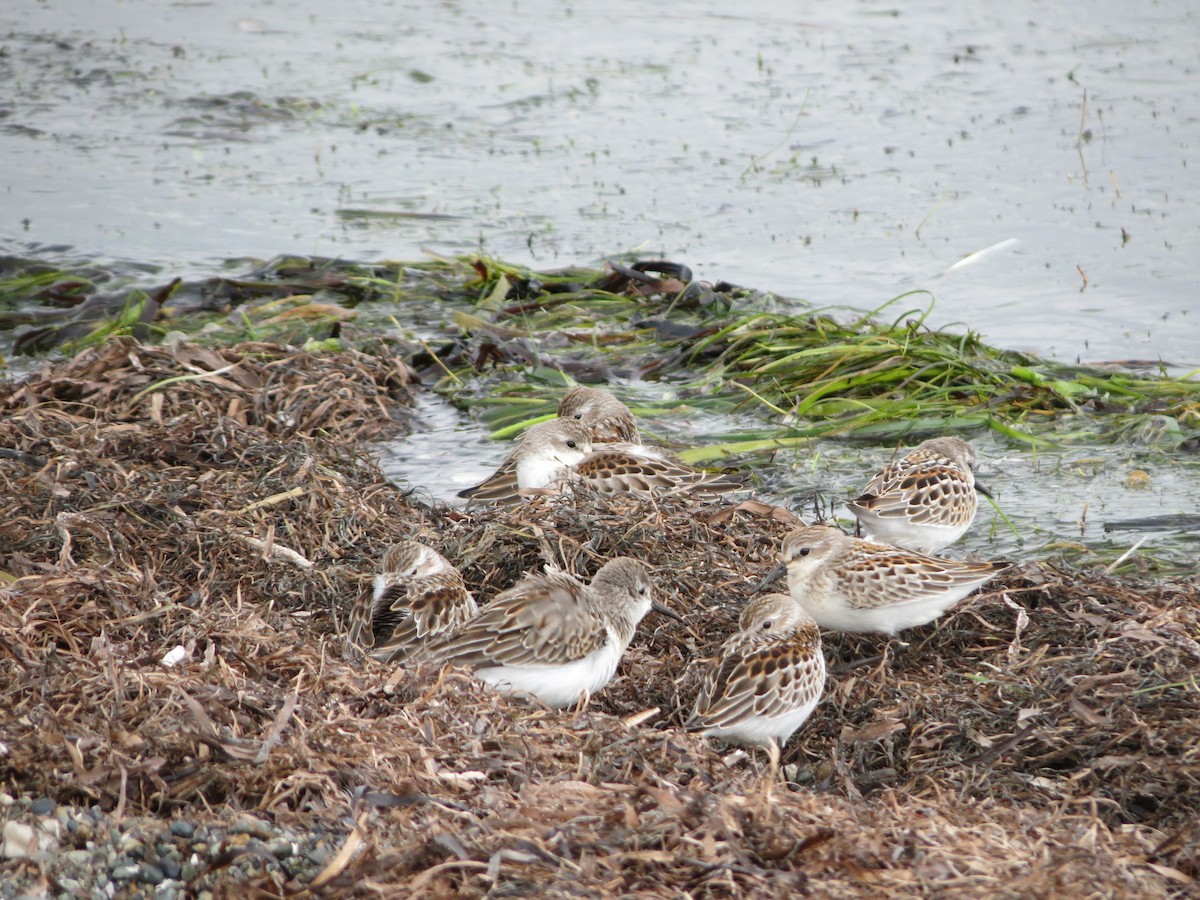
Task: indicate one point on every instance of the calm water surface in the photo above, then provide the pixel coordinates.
(843, 152)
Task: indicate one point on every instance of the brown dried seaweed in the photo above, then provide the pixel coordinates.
(1040, 739)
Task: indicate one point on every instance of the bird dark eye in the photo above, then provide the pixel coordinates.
(804, 551)
(578, 415)
(570, 443)
(768, 623)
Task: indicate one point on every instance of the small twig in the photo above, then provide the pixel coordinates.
(1111, 567)
(754, 160)
(274, 499)
(277, 550)
(166, 382)
(437, 359)
(1082, 119)
(339, 862)
(279, 723)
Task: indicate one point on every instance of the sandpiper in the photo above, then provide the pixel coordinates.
(923, 501)
(543, 454)
(607, 419)
(553, 637)
(850, 584)
(418, 595)
(557, 455)
(767, 678)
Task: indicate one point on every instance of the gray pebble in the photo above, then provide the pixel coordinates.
(150, 874)
(182, 828)
(250, 825)
(125, 873)
(43, 806)
(71, 887)
(79, 857)
(171, 867)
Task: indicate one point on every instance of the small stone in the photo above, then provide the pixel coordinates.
(19, 841)
(166, 892)
(171, 868)
(43, 806)
(70, 887)
(280, 848)
(318, 855)
(150, 874)
(1138, 480)
(182, 828)
(247, 824)
(79, 857)
(51, 829)
(125, 873)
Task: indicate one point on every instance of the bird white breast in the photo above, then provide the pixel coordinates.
(835, 614)
(902, 533)
(761, 730)
(538, 471)
(558, 685)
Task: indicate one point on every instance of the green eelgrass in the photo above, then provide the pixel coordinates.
(782, 370)
(809, 372)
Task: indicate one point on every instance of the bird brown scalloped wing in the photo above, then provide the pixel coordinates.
(924, 488)
(760, 680)
(614, 471)
(540, 621)
(425, 608)
(500, 486)
(883, 578)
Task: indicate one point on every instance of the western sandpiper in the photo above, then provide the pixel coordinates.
(850, 584)
(418, 595)
(607, 419)
(543, 454)
(553, 637)
(767, 678)
(557, 455)
(925, 500)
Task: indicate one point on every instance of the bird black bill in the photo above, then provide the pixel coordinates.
(669, 613)
(980, 489)
(769, 579)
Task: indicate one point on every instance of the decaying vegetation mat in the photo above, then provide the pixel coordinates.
(1043, 739)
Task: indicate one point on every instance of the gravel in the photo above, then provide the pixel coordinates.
(84, 852)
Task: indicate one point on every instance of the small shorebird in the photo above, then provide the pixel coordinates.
(850, 584)
(607, 419)
(923, 501)
(556, 455)
(418, 595)
(767, 678)
(543, 454)
(553, 637)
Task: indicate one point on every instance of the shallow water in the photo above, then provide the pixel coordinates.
(844, 153)
(1070, 505)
